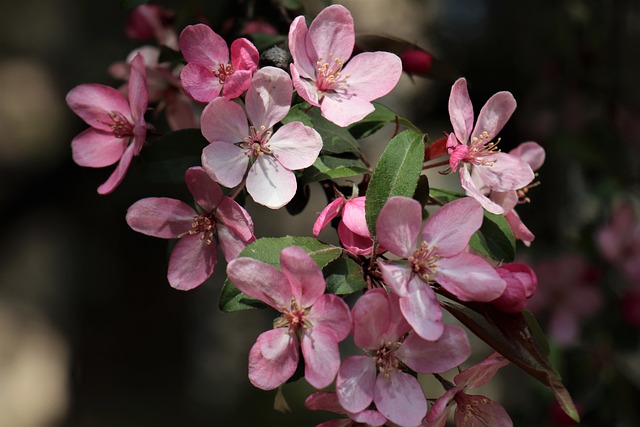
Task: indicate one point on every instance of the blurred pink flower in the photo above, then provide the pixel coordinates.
(619, 240)
(194, 257)
(319, 54)
(118, 129)
(311, 319)
(152, 21)
(325, 401)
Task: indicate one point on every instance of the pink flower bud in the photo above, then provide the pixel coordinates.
(521, 285)
(416, 61)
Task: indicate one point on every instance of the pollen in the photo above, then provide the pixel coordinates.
(205, 225)
(424, 261)
(329, 74)
(222, 72)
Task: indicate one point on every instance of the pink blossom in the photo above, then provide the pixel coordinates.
(619, 240)
(319, 54)
(118, 129)
(380, 376)
(434, 253)
(310, 319)
(471, 410)
(194, 257)
(152, 21)
(208, 71)
(522, 283)
(352, 229)
(326, 401)
(473, 151)
(236, 146)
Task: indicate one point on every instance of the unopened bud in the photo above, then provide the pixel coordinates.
(416, 61)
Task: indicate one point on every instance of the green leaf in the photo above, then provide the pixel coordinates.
(344, 276)
(332, 167)
(396, 174)
(268, 250)
(263, 41)
(510, 335)
(167, 158)
(495, 238)
(130, 4)
(444, 196)
(298, 113)
(374, 121)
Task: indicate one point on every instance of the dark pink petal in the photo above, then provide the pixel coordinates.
(261, 281)
(469, 277)
(520, 231)
(354, 243)
(458, 153)
(480, 373)
(494, 114)
(160, 217)
(201, 45)
(304, 61)
(244, 55)
(427, 357)
(230, 243)
(271, 184)
(118, 174)
(206, 192)
(138, 97)
(396, 276)
(344, 109)
(236, 219)
(513, 299)
(236, 83)
(480, 411)
(94, 102)
(324, 401)
(332, 34)
(422, 311)
(97, 149)
(328, 213)
(268, 98)
(399, 397)
(226, 163)
(370, 417)
(306, 89)
(354, 218)
(461, 110)
(371, 320)
(439, 411)
(451, 227)
(224, 120)
(472, 190)
(531, 153)
(372, 74)
(303, 274)
(321, 355)
(507, 173)
(273, 359)
(332, 313)
(295, 145)
(355, 383)
(192, 261)
(398, 225)
(199, 83)
(525, 274)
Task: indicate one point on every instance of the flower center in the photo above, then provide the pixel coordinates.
(223, 71)
(257, 142)
(386, 360)
(120, 126)
(205, 224)
(424, 261)
(329, 74)
(293, 318)
(481, 148)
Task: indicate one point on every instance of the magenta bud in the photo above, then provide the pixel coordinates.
(521, 285)
(416, 61)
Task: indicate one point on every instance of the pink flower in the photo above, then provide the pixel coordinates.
(208, 71)
(380, 375)
(619, 240)
(319, 55)
(236, 146)
(152, 21)
(433, 253)
(326, 401)
(472, 149)
(471, 410)
(352, 229)
(311, 319)
(522, 283)
(194, 257)
(118, 129)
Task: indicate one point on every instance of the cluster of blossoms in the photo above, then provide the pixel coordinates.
(405, 266)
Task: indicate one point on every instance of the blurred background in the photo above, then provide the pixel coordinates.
(91, 334)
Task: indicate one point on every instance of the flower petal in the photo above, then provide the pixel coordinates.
(427, 357)
(303, 61)
(268, 98)
(261, 281)
(138, 97)
(235, 218)
(94, 102)
(440, 410)
(520, 231)
(469, 277)
(97, 149)
(354, 218)
(331, 313)
(461, 110)
(205, 191)
(118, 174)
(303, 274)
(372, 74)
(236, 83)
(305, 88)
(244, 55)
(199, 83)
(332, 34)
(344, 109)
(226, 163)
(398, 225)
(506, 173)
(396, 276)
(295, 145)
(355, 383)
(224, 120)
(421, 309)
(160, 217)
(399, 397)
(321, 356)
(451, 227)
(472, 190)
(327, 215)
(192, 261)
(494, 114)
(354, 243)
(273, 359)
(201, 45)
(371, 319)
(271, 184)
(531, 153)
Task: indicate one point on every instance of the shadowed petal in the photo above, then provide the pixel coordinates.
(355, 383)
(397, 276)
(96, 149)
(531, 153)
(118, 174)
(205, 191)
(192, 261)
(469, 277)
(201, 45)
(472, 190)
(328, 213)
(270, 183)
(494, 114)
(236, 218)
(268, 98)
(303, 274)
(244, 55)
(355, 243)
(94, 102)
(224, 120)
(138, 97)
(273, 359)
(333, 314)
(321, 356)
(451, 227)
(506, 173)
(306, 89)
(225, 163)
(447, 352)
(371, 319)
(354, 218)
(160, 217)
(199, 83)
(399, 397)
(236, 83)
(304, 61)
(461, 110)
(344, 109)
(398, 225)
(422, 311)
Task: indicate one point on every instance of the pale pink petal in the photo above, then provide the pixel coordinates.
(461, 110)
(271, 184)
(160, 217)
(306, 89)
(354, 217)
(399, 397)
(520, 231)
(480, 373)
(199, 83)
(346, 109)
(261, 281)
(354, 243)
(138, 97)
(332, 34)
(355, 383)
(371, 319)
(507, 199)
(471, 189)
(469, 277)
(327, 215)
(332, 313)
(507, 173)
(224, 120)
(192, 261)
(427, 357)
(236, 83)
(295, 145)
(396, 276)
(94, 102)
(244, 55)
(206, 193)
(268, 97)
(494, 114)
(201, 45)
(398, 225)
(236, 218)
(371, 75)
(273, 359)
(96, 149)
(226, 163)
(451, 227)
(422, 311)
(304, 61)
(303, 274)
(118, 174)
(531, 153)
(439, 411)
(321, 355)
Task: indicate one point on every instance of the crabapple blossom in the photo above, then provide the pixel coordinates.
(238, 149)
(619, 240)
(320, 76)
(327, 401)
(472, 149)
(521, 283)
(433, 253)
(380, 376)
(118, 129)
(152, 21)
(310, 319)
(471, 410)
(209, 71)
(194, 257)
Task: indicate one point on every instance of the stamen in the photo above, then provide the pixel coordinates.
(424, 261)
(223, 71)
(204, 224)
